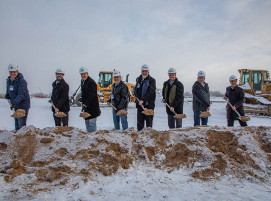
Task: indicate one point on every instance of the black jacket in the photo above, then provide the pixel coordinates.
(60, 96)
(90, 98)
(177, 104)
(119, 95)
(236, 97)
(146, 90)
(201, 97)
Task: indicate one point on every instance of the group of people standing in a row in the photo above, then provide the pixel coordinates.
(145, 93)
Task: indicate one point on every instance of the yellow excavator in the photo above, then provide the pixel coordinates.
(104, 86)
(257, 87)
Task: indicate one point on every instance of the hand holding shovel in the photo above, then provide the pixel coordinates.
(147, 112)
(120, 112)
(83, 113)
(242, 118)
(58, 113)
(177, 116)
(18, 114)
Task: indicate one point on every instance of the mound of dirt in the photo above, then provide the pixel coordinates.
(56, 155)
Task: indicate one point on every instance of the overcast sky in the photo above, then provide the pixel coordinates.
(218, 37)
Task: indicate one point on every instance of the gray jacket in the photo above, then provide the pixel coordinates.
(201, 97)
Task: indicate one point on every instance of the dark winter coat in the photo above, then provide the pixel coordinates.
(119, 95)
(90, 98)
(201, 97)
(60, 96)
(146, 90)
(18, 93)
(236, 97)
(173, 94)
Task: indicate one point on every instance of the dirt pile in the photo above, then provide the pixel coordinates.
(56, 155)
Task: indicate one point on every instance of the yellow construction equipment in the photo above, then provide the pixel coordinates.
(257, 87)
(104, 86)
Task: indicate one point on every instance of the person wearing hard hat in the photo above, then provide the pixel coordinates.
(173, 95)
(90, 102)
(17, 93)
(60, 98)
(145, 92)
(235, 96)
(119, 99)
(201, 99)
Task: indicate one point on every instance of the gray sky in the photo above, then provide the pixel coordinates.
(218, 37)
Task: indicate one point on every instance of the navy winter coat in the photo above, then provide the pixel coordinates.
(201, 97)
(17, 92)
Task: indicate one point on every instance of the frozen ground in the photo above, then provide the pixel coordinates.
(239, 174)
(40, 116)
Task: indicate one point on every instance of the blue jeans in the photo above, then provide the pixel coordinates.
(117, 119)
(19, 123)
(91, 124)
(197, 118)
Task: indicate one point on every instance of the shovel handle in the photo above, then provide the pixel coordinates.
(169, 108)
(142, 105)
(114, 107)
(234, 110)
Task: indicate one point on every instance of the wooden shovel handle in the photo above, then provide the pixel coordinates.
(114, 107)
(142, 105)
(169, 108)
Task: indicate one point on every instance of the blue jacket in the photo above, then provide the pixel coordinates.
(17, 92)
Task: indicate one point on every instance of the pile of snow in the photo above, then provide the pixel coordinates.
(37, 163)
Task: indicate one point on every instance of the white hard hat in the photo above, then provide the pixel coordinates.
(201, 74)
(145, 67)
(232, 77)
(172, 70)
(60, 71)
(116, 73)
(12, 67)
(83, 70)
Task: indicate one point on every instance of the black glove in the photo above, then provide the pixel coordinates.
(80, 99)
(7, 96)
(12, 107)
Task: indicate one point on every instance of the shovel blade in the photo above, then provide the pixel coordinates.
(60, 114)
(244, 118)
(179, 116)
(122, 113)
(205, 114)
(148, 112)
(18, 114)
(84, 115)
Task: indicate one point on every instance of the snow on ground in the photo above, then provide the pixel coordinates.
(204, 163)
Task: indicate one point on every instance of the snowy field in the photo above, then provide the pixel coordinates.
(41, 116)
(142, 180)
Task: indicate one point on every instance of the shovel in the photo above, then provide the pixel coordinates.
(147, 112)
(84, 114)
(242, 118)
(120, 112)
(59, 114)
(205, 114)
(177, 116)
(18, 114)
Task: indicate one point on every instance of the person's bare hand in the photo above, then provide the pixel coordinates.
(172, 109)
(141, 103)
(56, 110)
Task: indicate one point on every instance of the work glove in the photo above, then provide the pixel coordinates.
(7, 96)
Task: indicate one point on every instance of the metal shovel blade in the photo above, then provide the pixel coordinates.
(122, 113)
(60, 114)
(205, 114)
(84, 115)
(148, 112)
(18, 114)
(179, 116)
